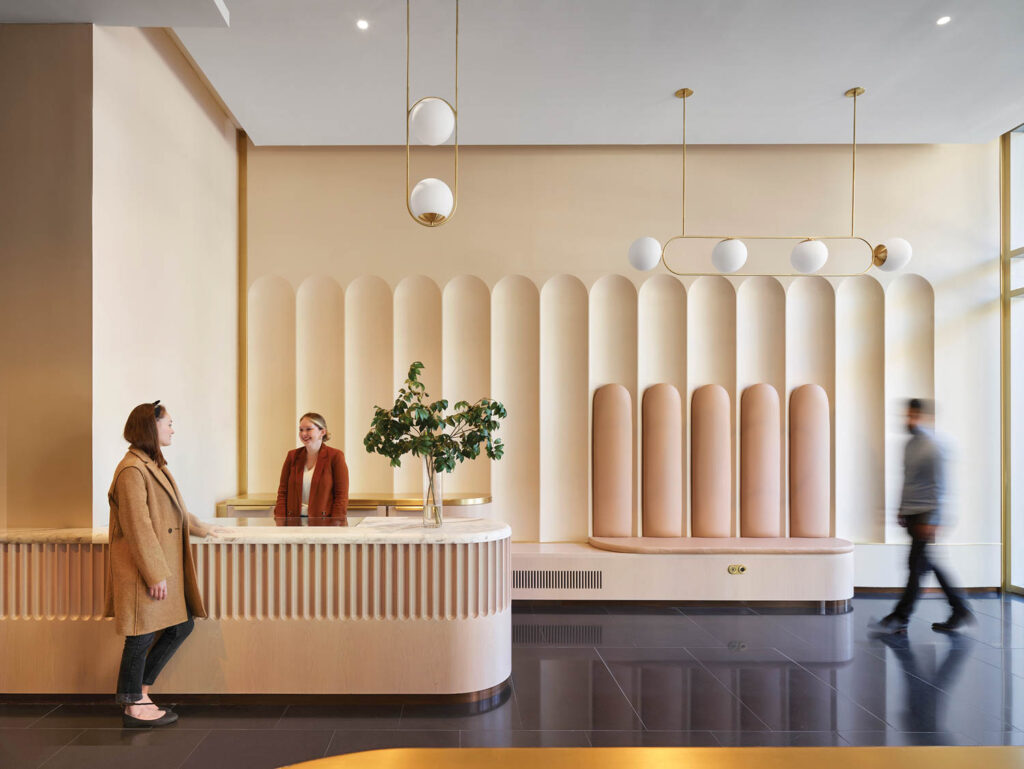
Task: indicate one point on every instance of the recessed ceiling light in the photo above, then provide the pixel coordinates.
(942, 21)
(364, 24)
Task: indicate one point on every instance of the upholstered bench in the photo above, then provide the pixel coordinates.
(778, 547)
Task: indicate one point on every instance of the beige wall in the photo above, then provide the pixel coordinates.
(337, 213)
(45, 266)
(165, 263)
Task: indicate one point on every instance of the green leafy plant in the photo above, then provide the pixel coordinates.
(415, 426)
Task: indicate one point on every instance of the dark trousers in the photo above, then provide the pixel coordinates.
(920, 564)
(140, 664)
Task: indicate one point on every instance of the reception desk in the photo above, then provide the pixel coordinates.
(382, 606)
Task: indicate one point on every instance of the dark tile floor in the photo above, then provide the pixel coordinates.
(614, 676)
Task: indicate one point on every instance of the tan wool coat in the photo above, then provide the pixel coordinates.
(149, 543)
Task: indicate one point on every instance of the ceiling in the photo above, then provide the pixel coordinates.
(299, 72)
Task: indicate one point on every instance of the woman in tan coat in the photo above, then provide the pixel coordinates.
(151, 577)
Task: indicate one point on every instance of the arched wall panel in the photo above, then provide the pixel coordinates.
(711, 359)
(515, 381)
(811, 351)
(760, 462)
(661, 359)
(613, 462)
(761, 355)
(320, 354)
(368, 361)
(417, 308)
(859, 412)
(711, 455)
(809, 451)
(466, 368)
(270, 352)
(909, 373)
(613, 349)
(663, 464)
(564, 417)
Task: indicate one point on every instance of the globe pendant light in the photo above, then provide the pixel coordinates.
(431, 121)
(809, 254)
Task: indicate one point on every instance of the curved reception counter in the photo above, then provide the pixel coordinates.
(383, 606)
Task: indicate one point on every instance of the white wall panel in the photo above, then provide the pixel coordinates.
(271, 380)
(466, 368)
(369, 368)
(417, 309)
(711, 354)
(320, 354)
(515, 381)
(859, 411)
(613, 348)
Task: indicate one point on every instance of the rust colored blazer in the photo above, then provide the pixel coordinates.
(328, 490)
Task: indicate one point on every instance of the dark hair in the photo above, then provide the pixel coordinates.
(319, 421)
(140, 430)
(921, 405)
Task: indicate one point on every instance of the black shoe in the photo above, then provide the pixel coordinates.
(957, 620)
(888, 625)
(131, 722)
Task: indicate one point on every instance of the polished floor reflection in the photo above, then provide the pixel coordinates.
(619, 676)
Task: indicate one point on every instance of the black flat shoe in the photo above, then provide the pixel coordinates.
(131, 722)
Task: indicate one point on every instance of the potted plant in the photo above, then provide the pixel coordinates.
(415, 426)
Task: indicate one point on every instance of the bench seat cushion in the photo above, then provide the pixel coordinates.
(683, 545)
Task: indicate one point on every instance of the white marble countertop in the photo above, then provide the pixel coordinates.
(407, 530)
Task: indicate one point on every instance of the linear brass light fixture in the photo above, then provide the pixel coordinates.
(809, 253)
(431, 120)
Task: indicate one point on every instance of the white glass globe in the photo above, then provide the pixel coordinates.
(809, 256)
(431, 121)
(431, 201)
(645, 253)
(898, 253)
(729, 255)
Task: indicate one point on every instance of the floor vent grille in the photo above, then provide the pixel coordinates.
(557, 635)
(539, 579)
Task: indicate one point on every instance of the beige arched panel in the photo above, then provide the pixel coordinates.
(663, 463)
(809, 451)
(661, 357)
(270, 351)
(811, 349)
(613, 348)
(760, 462)
(369, 365)
(711, 359)
(613, 462)
(320, 354)
(466, 368)
(909, 373)
(515, 381)
(860, 410)
(564, 423)
(417, 309)
(710, 463)
(761, 354)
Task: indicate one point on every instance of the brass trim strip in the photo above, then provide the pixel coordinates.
(1016, 292)
(1017, 253)
(1004, 356)
(242, 146)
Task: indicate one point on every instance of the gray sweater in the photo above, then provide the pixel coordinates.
(923, 475)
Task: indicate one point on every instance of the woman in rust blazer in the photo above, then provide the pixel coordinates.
(314, 479)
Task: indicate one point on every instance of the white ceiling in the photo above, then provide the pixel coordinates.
(299, 72)
(123, 13)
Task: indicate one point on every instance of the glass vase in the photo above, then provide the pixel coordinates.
(433, 495)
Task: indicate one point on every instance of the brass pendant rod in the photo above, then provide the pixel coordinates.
(853, 171)
(684, 167)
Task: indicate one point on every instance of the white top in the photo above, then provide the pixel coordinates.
(307, 479)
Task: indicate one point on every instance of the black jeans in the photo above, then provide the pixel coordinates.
(139, 668)
(920, 564)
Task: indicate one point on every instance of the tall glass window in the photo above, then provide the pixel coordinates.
(1013, 356)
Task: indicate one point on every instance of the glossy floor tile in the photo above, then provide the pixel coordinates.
(618, 675)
